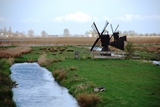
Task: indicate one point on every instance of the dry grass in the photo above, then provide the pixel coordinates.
(42, 60)
(88, 100)
(74, 40)
(144, 39)
(60, 75)
(72, 68)
(14, 52)
(10, 61)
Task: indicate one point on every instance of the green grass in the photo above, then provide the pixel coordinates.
(5, 85)
(128, 83)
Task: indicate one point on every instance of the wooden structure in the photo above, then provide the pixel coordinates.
(108, 55)
(112, 55)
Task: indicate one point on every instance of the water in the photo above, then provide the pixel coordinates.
(156, 62)
(37, 88)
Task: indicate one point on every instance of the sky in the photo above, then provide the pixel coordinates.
(53, 16)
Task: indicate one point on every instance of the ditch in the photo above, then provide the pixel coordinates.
(36, 87)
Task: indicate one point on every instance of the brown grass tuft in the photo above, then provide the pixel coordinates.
(60, 75)
(10, 61)
(14, 52)
(72, 68)
(88, 100)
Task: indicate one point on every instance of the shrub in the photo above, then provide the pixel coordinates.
(88, 100)
(129, 48)
(60, 75)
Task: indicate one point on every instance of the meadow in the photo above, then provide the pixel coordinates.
(127, 83)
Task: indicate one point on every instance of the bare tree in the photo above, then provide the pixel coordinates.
(10, 32)
(30, 33)
(43, 33)
(5, 31)
(93, 33)
(66, 32)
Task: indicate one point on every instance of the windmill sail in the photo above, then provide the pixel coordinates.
(104, 39)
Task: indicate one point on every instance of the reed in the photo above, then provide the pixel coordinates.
(50, 41)
(88, 99)
(14, 52)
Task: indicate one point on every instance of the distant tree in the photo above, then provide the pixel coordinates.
(131, 32)
(10, 32)
(87, 33)
(43, 33)
(146, 34)
(30, 33)
(5, 31)
(125, 33)
(66, 32)
(154, 34)
(93, 33)
(140, 34)
(16, 34)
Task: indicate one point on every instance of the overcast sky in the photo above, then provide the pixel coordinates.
(53, 16)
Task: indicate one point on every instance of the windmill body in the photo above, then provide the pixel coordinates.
(105, 39)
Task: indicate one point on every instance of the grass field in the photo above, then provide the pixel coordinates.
(128, 83)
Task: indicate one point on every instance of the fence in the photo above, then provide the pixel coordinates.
(112, 55)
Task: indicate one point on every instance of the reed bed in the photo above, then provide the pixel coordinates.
(144, 39)
(73, 41)
(14, 52)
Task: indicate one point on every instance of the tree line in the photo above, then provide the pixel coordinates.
(66, 33)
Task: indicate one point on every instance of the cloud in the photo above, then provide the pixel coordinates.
(132, 17)
(128, 17)
(75, 17)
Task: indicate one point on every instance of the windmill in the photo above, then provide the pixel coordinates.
(105, 39)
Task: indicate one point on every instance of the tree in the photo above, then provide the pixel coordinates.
(125, 33)
(5, 31)
(131, 33)
(93, 33)
(30, 33)
(43, 33)
(10, 32)
(66, 32)
(16, 34)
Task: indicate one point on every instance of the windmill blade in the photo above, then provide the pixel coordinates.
(98, 44)
(105, 27)
(94, 44)
(94, 27)
(116, 28)
(111, 28)
(112, 31)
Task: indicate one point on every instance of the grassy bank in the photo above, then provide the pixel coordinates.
(127, 83)
(6, 84)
